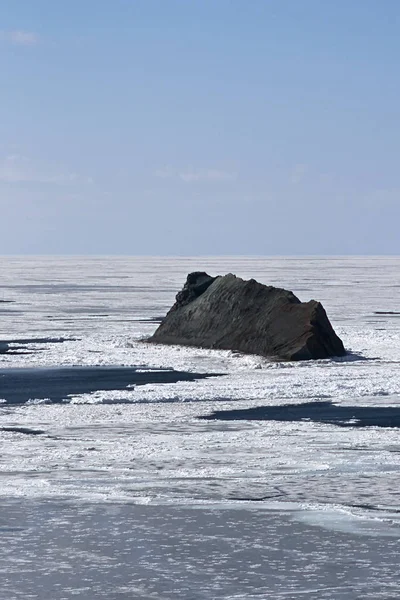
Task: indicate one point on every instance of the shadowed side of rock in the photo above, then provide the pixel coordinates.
(196, 284)
(246, 316)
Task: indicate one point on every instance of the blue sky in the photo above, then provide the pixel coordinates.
(199, 127)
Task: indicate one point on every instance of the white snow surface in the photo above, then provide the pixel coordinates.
(146, 444)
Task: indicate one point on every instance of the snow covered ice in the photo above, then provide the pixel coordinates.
(294, 508)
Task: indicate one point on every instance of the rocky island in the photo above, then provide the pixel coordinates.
(229, 313)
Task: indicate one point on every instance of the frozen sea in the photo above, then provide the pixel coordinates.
(113, 485)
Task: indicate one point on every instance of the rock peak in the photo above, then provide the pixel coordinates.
(196, 284)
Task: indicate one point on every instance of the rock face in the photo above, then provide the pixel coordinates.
(246, 316)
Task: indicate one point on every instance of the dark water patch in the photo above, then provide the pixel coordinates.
(43, 340)
(57, 384)
(122, 319)
(148, 320)
(25, 430)
(373, 507)
(21, 345)
(18, 352)
(67, 319)
(317, 412)
(88, 315)
(258, 499)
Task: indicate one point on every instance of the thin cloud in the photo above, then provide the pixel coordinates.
(165, 173)
(196, 175)
(192, 176)
(16, 169)
(19, 37)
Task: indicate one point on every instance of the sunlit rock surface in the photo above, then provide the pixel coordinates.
(229, 313)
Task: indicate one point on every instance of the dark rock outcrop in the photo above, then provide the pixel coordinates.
(246, 316)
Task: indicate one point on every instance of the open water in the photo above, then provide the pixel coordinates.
(114, 485)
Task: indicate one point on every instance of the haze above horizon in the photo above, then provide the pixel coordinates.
(167, 127)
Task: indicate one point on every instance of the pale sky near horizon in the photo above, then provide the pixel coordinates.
(187, 127)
